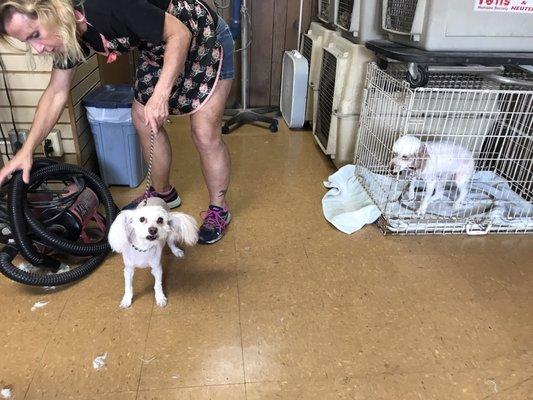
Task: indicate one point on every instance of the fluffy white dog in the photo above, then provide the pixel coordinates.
(140, 235)
(435, 163)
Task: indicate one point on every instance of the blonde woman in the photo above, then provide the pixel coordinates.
(194, 79)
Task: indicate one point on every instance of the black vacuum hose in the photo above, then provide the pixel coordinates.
(28, 278)
(51, 239)
(22, 221)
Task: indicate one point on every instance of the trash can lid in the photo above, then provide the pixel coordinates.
(109, 96)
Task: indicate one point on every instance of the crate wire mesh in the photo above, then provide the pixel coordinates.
(400, 15)
(492, 121)
(326, 92)
(344, 15)
(324, 12)
(307, 49)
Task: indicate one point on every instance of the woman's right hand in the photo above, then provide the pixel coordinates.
(23, 160)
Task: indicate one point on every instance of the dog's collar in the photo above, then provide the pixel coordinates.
(140, 250)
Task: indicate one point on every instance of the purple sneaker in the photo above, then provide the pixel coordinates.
(171, 197)
(216, 220)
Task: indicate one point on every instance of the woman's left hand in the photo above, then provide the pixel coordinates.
(156, 112)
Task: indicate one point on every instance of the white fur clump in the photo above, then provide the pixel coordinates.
(140, 236)
(6, 393)
(100, 362)
(39, 304)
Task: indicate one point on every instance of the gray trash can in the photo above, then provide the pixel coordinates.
(117, 145)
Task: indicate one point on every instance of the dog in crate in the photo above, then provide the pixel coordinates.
(140, 236)
(434, 163)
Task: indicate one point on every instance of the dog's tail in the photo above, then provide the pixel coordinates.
(185, 228)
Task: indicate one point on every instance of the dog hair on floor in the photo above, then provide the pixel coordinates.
(140, 236)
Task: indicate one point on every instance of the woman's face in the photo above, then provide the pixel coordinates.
(31, 31)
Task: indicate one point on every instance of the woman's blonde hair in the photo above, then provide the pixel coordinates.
(55, 14)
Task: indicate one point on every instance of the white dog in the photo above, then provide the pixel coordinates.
(140, 235)
(435, 163)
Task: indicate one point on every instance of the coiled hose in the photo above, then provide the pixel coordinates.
(22, 222)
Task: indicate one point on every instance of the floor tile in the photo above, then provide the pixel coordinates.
(205, 281)
(224, 392)
(99, 294)
(185, 350)
(299, 342)
(107, 396)
(472, 385)
(22, 344)
(67, 369)
(32, 303)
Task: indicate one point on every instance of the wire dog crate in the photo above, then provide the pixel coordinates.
(491, 122)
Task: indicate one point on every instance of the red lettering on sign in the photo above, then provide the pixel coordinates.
(494, 2)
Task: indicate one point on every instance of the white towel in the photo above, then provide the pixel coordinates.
(346, 205)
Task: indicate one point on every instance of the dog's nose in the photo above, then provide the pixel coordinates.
(152, 230)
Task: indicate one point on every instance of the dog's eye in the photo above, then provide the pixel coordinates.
(142, 219)
(160, 220)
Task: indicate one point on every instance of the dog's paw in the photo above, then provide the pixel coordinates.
(178, 253)
(161, 300)
(126, 302)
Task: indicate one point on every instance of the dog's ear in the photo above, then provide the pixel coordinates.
(183, 227)
(120, 231)
(421, 157)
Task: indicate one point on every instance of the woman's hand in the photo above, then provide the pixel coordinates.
(156, 111)
(177, 38)
(23, 160)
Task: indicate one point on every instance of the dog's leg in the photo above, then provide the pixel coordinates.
(430, 187)
(175, 249)
(462, 187)
(157, 272)
(439, 190)
(411, 190)
(128, 287)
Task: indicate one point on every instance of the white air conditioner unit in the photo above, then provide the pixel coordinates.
(294, 75)
(360, 19)
(313, 43)
(326, 10)
(340, 97)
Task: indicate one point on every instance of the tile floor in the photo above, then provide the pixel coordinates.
(285, 307)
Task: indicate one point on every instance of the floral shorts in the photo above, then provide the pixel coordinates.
(203, 66)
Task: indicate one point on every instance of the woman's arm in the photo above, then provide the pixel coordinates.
(177, 39)
(49, 109)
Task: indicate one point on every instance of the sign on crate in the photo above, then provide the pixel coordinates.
(508, 6)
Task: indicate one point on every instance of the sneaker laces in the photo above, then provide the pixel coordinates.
(213, 219)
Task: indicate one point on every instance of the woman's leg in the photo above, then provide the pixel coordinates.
(160, 162)
(162, 149)
(206, 128)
